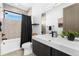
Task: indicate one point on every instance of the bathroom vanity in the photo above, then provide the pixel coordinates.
(45, 45)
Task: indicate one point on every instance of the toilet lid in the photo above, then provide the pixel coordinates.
(27, 44)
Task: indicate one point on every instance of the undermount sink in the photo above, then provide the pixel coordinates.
(45, 38)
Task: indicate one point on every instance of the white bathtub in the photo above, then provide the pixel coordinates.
(10, 45)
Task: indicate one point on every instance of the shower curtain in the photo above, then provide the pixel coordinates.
(26, 29)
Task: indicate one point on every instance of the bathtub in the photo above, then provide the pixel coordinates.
(10, 45)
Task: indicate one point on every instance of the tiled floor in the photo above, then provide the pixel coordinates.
(18, 53)
(15, 53)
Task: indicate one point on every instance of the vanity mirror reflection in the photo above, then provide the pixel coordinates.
(43, 23)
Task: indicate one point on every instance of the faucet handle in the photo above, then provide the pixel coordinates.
(3, 34)
(3, 37)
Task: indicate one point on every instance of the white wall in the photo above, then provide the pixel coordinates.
(36, 18)
(36, 28)
(1, 19)
(53, 15)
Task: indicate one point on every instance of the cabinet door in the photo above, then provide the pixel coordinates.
(53, 52)
(40, 49)
(56, 52)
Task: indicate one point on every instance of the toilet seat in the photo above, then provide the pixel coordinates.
(27, 44)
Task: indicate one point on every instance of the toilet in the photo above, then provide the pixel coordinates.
(27, 48)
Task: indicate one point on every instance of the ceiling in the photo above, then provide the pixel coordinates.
(26, 6)
(23, 6)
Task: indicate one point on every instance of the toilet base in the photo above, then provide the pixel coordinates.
(27, 52)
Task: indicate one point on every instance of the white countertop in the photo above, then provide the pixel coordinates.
(62, 44)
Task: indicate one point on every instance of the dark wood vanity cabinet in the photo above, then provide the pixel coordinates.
(40, 49)
(56, 52)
